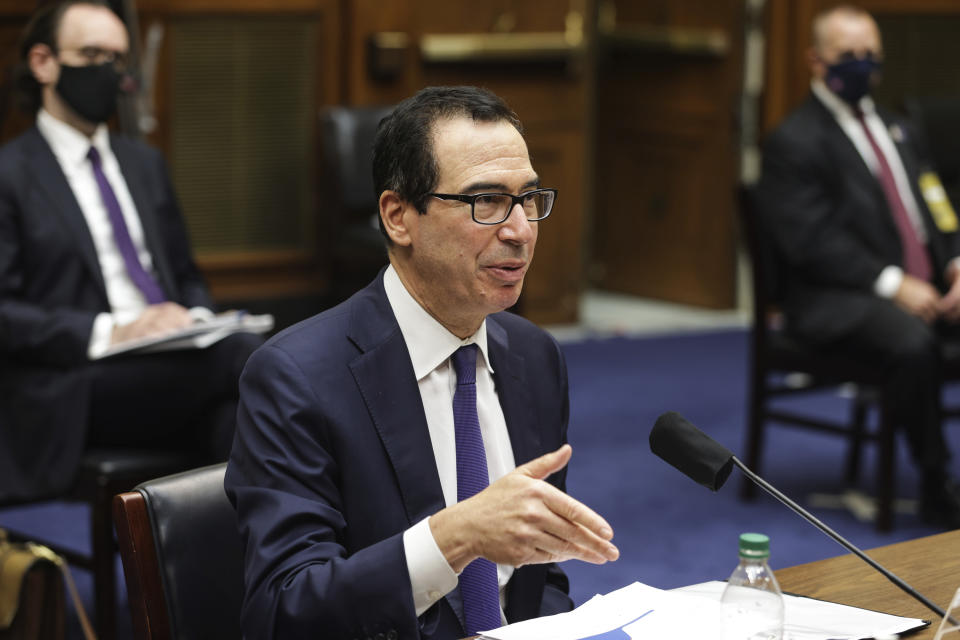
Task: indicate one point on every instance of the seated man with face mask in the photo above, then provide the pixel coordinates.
(868, 250)
(93, 251)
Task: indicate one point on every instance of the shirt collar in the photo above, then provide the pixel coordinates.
(428, 341)
(69, 145)
(837, 105)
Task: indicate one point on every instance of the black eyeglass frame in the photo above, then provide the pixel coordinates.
(471, 199)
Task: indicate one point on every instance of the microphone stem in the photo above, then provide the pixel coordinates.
(763, 484)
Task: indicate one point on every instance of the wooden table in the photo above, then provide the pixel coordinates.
(930, 565)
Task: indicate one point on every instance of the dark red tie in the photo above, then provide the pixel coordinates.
(916, 260)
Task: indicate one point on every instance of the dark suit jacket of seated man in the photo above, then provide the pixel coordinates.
(65, 294)
(344, 472)
(846, 281)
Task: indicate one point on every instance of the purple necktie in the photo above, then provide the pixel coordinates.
(121, 235)
(916, 260)
(478, 581)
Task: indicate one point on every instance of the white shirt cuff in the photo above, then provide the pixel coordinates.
(888, 282)
(100, 335)
(431, 577)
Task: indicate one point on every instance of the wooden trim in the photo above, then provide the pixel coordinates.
(255, 260)
(911, 7)
(148, 603)
(231, 6)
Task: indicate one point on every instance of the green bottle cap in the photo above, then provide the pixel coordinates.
(754, 545)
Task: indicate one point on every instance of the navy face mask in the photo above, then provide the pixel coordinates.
(850, 79)
(91, 91)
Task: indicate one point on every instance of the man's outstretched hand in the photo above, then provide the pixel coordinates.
(521, 519)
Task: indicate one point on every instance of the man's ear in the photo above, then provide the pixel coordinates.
(395, 212)
(43, 63)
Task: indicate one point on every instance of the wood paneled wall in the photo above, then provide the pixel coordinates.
(668, 87)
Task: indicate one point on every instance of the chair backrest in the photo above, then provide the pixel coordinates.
(348, 134)
(762, 263)
(182, 556)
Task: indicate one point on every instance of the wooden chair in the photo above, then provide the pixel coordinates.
(182, 557)
(774, 355)
(103, 474)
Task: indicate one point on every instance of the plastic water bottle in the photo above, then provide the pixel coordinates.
(752, 602)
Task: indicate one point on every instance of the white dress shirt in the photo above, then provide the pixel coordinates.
(430, 346)
(889, 280)
(71, 147)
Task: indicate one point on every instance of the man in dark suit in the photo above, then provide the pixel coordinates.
(866, 240)
(371, 500)
(93, 251)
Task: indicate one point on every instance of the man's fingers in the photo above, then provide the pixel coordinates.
(576, 512)
(547, 464)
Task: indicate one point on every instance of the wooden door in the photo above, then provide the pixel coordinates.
(668, 86)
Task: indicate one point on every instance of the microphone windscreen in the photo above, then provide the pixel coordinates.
(675, 440)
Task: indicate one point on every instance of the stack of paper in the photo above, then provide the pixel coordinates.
(639, 611)
(199, 335)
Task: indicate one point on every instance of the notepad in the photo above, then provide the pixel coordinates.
(199, 335)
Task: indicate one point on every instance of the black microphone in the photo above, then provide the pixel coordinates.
(700, 457)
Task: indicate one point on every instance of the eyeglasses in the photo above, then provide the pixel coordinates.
(494, 208)
(98, 56)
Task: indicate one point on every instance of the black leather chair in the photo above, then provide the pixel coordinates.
(349, 204)
(182, 557)
(773, 355)
(103, 474)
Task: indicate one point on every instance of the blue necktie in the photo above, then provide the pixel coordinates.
(478, 581)
(145, 282)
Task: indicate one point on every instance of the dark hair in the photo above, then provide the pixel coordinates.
(403, 155)
(43, 28)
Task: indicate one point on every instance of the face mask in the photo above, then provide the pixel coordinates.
(91, 91)
(850, 79)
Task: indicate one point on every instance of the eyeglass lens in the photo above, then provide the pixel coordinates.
(496, 207)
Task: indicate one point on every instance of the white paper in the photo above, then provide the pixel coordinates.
(811, 619)
(638, 611)
(199, 335)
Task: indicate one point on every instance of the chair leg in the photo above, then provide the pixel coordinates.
(856, 439)
(754, 443)
(885, 468)
(104, 579)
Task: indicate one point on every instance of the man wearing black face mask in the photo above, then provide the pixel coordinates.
(93, 251)
(868, 267)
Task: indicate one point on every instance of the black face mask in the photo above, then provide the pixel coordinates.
(91, 90)
(850, 79)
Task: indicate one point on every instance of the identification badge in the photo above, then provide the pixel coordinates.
(936, 197)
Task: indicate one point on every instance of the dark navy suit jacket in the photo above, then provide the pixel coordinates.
(332, 462)
(51, 289)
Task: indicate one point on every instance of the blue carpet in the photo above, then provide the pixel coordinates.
(670, 531)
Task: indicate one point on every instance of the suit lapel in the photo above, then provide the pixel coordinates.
(841, 147)
(385, 377)
(512, 389)
(42, 166)
(130, 163)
